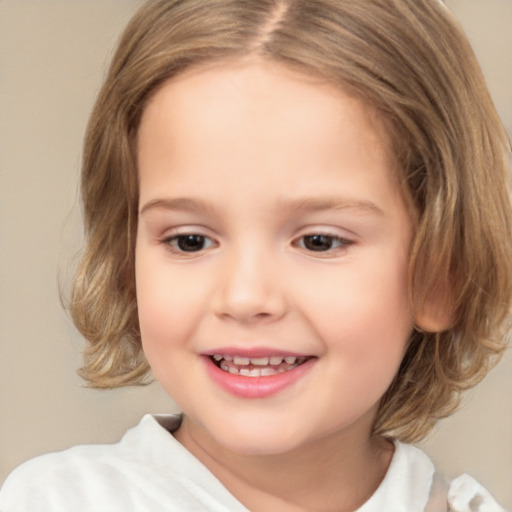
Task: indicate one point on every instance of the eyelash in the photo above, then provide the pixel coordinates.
(175, 243)
(339, 243)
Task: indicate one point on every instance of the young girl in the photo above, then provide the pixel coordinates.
(297, 216)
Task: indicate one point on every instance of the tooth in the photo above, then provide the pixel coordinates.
(217, 357)
(259, 361)
(268, 371)
(224, 366)
(227, 358)
(290, 359)
(275, 360)
(254, 372)
(244, 361)
(233, 370)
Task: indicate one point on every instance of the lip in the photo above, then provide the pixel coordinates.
(255, 387)
(252, 352)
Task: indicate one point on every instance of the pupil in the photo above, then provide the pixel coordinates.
(190, 243)
(318, 242)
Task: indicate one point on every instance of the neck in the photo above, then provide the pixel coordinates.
(338, 472)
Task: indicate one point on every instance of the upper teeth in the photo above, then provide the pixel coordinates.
(257, 361)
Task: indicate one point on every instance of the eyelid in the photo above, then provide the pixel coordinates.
(173, 235)
(327, 230)
(344, 242)
(185, 229)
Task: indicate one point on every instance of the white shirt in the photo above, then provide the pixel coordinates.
(149, 471)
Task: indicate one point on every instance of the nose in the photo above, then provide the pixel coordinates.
(250, 289)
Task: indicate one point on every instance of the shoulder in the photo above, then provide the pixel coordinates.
(412, 484)
(58, 481)
(465, 494)
(52, 481)
(462, 494)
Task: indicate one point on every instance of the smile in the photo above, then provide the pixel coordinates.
(257, 366)
(256, 374)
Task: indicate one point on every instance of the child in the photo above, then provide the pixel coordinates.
(297, 215)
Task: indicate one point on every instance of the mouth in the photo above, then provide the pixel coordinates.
(258, 373)
(257, 366)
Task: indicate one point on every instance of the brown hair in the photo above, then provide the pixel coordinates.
(412, 62)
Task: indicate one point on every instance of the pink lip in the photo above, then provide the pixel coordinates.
(255, 387)
(252, 352)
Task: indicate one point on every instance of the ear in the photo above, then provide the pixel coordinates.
(436, 312)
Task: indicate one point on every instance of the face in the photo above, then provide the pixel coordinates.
(271, 256)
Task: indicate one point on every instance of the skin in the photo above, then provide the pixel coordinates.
(256, 159)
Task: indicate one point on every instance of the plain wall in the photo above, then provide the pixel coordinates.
(52, 58)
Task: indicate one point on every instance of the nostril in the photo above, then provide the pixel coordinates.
(246, 294)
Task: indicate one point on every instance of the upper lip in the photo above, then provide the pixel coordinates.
(253, 352)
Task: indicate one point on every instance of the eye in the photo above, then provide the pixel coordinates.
(321, 243)
(189, 243)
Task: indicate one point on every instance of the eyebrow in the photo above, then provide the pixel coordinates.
(334, 203)
(298, 205)
(179, 203)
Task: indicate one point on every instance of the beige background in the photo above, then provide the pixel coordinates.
(52, 57)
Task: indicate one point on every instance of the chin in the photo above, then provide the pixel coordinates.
(258, 440)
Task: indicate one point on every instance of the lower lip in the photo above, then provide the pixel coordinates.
(256, 387)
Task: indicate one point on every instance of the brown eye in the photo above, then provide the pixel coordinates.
(189, 243)
(318, 242)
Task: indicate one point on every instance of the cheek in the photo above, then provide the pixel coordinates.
(164, 331)
(166, 315)
(365, 314)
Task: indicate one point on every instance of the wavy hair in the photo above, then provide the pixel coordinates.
(411, 61)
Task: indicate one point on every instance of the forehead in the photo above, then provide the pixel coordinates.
(269, 103)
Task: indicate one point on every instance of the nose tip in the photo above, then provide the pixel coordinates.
(250, 292)
(245, 312)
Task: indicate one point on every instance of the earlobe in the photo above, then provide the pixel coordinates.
(436, 313)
